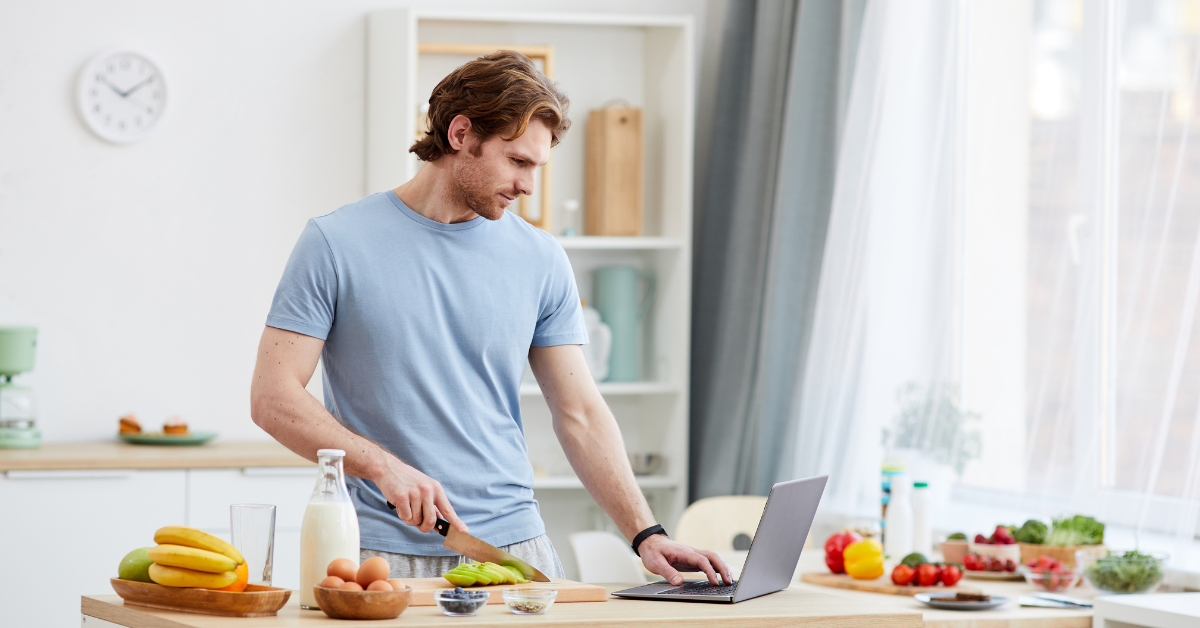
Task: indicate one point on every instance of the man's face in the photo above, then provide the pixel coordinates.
(490, 175)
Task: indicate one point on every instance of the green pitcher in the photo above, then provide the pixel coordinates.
(616, 296)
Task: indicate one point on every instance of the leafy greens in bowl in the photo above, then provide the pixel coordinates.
(1074, 531)
(1130, 572)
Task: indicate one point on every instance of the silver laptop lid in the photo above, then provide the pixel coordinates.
(784, 526)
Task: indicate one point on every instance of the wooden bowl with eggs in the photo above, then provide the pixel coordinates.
(354, 592)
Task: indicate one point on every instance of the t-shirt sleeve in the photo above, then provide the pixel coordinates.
(306, 298)
(560, 318)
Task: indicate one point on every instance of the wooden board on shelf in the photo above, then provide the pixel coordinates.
(879, 585)
(614, 172)
(568, 590)
(255, 601)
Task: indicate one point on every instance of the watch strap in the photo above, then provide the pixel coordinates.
(645, 534)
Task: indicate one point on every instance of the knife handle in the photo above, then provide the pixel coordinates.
(441, 525)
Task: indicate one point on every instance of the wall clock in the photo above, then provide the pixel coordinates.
(122, 95)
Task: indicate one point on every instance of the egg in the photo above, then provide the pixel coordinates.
(343, 568)
(332, 582)
(397, 584)
(372, 569)
(351, 586)
(380, 585)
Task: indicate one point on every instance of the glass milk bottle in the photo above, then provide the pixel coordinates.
(898, 528)
(330, 527)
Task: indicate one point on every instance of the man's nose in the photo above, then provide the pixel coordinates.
(524, 184)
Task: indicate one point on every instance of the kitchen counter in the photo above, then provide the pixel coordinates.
(790, 607)
(119, 455)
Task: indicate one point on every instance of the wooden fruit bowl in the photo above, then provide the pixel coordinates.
(340, 604)
(255, 601)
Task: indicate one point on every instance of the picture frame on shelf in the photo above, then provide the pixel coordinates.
(542, 53)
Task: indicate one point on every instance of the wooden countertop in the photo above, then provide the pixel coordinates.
(790, 607)
(119, 455)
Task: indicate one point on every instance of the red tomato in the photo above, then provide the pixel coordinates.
(903, 574)
(971, 562)
(927, 575)
(951, 574)
(834, 546)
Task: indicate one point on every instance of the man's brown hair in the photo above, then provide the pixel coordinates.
(500, 93)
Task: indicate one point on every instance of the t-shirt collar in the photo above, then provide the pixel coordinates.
(433, 224)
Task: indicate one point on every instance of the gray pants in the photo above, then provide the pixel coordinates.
(538, 551)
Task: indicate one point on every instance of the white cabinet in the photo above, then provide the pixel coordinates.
(65, 533)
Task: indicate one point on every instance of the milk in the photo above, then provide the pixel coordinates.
(329, 532)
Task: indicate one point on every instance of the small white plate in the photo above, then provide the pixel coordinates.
(936, 601)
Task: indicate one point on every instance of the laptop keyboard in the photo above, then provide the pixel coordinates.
(701, 588)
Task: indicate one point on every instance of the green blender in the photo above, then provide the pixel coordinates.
(18, 412)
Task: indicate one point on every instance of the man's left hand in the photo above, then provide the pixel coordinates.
(667, 558)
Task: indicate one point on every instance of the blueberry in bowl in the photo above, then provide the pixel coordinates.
(459, 602)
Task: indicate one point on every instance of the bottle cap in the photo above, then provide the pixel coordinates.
(920, 484)
(341, 453)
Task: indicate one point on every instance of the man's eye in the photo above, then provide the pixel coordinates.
(519, 162)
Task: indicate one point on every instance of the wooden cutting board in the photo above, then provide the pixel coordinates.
(879, 585)
(568, 590)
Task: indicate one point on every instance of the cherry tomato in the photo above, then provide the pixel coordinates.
(951, 574)
(903, 574)
(927, 575)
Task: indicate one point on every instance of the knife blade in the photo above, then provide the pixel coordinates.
(475, 549)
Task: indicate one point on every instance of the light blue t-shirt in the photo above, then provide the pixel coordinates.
(427, 329)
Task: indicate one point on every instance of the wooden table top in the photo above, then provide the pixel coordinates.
(116, 454)
(790, 607)
(1011, 615)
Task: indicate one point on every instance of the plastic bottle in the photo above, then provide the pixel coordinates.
(330, 526)
(922, 533)
(899, 529)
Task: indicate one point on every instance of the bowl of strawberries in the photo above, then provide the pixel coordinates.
(1049, 574)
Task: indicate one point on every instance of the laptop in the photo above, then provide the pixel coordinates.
(773, 555)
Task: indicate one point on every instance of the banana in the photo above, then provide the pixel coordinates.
(192, 558)
(177, 577)
(191, 537)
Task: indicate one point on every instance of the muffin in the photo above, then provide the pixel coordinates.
(175, 425)
(129, 425)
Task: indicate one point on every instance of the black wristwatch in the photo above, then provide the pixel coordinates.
(645, 534)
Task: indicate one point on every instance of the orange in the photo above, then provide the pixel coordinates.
(243, 576)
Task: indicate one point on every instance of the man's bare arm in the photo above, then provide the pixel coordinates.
(593, 444)
(281, 406)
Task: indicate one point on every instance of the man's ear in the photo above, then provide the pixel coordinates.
(460, 126)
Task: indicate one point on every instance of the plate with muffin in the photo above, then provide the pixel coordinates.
(175, 431)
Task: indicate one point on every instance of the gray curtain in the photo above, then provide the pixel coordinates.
(762, 208)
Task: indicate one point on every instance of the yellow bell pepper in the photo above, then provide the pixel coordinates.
(864, 559)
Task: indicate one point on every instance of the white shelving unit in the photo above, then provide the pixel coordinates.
(649, 62)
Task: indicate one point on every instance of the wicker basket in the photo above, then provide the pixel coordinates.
(1062, 553)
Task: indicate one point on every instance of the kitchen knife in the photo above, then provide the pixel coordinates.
(475, 549)
(1063, 599)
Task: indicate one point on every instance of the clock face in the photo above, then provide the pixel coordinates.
(122, 94)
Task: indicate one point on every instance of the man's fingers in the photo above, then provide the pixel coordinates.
(443, 504)
(661, 566)
(404, 510)
(701, 561)
(429, 516)
(717, 564)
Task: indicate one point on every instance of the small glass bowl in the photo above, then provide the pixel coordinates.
(528, 600)
(1049, 581)
(461, 606)
(1118, 573)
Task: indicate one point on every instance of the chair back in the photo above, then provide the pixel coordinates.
(605, 557)
(715, 523)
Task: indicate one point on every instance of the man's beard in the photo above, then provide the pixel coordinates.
(469, 183)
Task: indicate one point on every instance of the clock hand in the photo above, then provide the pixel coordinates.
(133, 89)
(113, 87)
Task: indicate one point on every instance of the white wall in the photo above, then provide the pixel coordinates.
(149, 268)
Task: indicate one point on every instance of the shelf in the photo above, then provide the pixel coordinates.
(615, 388)
(572, 482)
(631, 243)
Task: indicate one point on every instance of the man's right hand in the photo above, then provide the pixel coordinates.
(419, 499)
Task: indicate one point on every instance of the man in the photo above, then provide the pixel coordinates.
(424, 303)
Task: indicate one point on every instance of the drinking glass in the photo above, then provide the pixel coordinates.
(252, 528)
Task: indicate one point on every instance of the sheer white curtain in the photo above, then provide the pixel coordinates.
(1012, 270)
